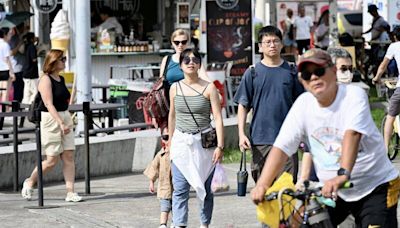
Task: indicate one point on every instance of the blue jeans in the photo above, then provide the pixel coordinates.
(180, 199)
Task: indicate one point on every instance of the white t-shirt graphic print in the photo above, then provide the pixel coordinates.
(323, 128)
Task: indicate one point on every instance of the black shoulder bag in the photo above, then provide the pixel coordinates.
(209, 135)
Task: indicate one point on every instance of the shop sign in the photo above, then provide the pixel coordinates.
(46, 6)
(229, 35)
(227, 4)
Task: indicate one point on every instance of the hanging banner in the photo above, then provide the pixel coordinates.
(229, 33)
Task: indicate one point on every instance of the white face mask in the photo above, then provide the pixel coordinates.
(344, 77)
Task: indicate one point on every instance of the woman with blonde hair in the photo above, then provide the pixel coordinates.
(170, 67)
(56, 126)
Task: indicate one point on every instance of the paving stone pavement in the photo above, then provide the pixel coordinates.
(122, 201)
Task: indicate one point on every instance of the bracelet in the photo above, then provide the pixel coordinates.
(221, 147)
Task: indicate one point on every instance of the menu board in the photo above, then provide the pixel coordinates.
(229, 34)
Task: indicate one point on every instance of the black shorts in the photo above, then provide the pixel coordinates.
(378, 209)
(4, 75)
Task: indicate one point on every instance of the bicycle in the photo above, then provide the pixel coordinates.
(312, 212)
(394, 142)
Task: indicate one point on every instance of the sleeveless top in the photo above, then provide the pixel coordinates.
(61, 95)
(200, 107)
(174, 72)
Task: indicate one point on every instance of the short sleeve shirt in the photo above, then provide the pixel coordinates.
(324, 129)
(393, 51)
(4, 53)
(270, 92)
(303, 25)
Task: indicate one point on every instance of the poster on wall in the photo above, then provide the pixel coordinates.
(182, 17)
(229, 31)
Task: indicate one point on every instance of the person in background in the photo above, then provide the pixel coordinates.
(343, 61)
(302, 30)
(56, 126)
(109, 21)
(336, 122)
(180, 39)
(17, 60)
(394, 103)
(30, 70)
(288, 33)
(269, 91)
(192, 101)
(322, 31)
(379, 30)
(160, 168)
(6, 70)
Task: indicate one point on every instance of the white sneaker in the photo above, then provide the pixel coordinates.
(73, 197)
(26, 191)
(163, 226)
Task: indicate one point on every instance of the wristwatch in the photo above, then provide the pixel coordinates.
(343, 171)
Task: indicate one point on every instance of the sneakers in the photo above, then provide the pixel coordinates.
(163, 226)
(73, 197)
(26, 190)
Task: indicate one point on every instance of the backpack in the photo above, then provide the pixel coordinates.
(156, 103)
(291, 32)
(33, 110)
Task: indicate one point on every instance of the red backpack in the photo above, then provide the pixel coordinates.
(156, 103)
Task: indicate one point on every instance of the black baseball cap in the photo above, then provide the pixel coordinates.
(372, 8)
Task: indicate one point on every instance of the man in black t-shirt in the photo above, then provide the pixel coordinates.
(30, 70)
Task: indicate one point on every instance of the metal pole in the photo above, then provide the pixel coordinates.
(39, 158)
(83, 54)
(86, 112)
(15, 108)
(333, 29)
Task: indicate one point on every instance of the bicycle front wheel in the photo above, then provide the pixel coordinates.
(393, 147)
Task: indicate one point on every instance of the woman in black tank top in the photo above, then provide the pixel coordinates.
(56, 126)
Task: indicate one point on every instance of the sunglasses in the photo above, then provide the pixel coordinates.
(63, 59)
(345, 68)
(186, 60)
(165, 137)
(177, 42)
(319, 72)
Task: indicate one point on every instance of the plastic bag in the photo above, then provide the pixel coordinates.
(220, 181)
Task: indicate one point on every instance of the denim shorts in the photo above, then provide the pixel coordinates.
(165, 205)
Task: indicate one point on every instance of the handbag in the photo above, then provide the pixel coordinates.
(33, 110)
(156, 103)
(208, 135)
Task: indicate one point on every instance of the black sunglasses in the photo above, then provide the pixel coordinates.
(319, 72)
(177, 42)
(165, 137)
(186, 60)
(63, 59)
(345, 68)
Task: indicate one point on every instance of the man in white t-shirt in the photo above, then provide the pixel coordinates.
(302, 28)
(335, 121)
(393, 52)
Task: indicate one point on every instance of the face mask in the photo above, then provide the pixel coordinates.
(344, 77)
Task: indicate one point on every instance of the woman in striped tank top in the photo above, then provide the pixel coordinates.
(191, 164)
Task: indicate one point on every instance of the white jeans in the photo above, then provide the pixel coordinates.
(30, 90)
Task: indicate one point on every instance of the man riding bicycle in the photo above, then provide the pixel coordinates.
(335, 121)
(394, 103)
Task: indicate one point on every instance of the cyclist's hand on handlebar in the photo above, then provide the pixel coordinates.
(244, 143)
(332, 186)
(257, 194)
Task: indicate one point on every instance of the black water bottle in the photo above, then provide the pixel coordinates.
(242, 176)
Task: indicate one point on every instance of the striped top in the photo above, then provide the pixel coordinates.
(200, 107)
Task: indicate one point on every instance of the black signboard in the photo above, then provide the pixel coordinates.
(229, 35)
